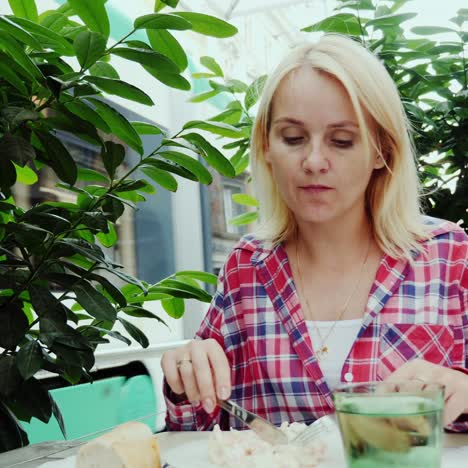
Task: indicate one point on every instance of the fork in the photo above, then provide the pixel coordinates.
(320, 426)
(270, 433)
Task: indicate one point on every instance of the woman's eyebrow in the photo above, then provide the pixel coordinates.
(343, 123)
(288, 120)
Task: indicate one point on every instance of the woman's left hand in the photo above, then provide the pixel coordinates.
(455, 382)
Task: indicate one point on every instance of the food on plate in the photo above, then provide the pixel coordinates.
(244, 449)
(130, 445)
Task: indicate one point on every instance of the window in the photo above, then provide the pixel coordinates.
(231, 208)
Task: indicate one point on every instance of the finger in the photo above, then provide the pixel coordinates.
(221, 370)
(204, 379)
(188, 378)
(409, 370)
(169, 368)
(454, 406)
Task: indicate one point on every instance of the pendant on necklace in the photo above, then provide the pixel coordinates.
(322, 352)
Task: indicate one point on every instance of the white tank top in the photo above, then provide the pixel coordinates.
(339, 344)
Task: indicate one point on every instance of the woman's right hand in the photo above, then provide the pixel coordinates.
(200, 370)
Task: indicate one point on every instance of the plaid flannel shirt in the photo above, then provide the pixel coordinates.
(413, 311)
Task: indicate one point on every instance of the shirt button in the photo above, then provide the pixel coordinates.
(348, 377)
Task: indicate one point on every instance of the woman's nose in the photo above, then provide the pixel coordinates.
(315, 160)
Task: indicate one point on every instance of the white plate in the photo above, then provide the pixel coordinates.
(194, 454)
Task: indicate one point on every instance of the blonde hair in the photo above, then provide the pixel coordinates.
(393, 193)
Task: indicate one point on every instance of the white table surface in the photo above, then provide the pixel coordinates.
(455, 451)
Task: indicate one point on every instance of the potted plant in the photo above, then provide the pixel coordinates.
(63, 243)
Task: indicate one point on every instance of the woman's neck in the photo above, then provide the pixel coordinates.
(335, 245)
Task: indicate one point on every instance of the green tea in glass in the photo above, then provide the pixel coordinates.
(391, 424)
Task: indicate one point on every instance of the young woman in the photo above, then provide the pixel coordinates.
(346, 280)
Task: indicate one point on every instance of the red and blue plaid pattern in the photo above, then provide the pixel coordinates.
(414, 311)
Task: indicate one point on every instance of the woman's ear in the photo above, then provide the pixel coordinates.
(379, 162)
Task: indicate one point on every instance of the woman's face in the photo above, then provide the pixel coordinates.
(315, 150)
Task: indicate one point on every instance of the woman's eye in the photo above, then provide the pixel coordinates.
(296, 140)
(340, 143)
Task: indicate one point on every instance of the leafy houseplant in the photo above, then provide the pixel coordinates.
(61, 243)
(432, 78)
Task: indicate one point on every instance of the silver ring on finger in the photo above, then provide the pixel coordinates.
(181, 361)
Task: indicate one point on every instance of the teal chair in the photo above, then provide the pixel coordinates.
(92, 407)
(137, 399)
(86, 408)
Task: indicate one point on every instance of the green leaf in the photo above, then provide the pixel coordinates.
(240, 163)
(113, 334)
(58, 416)
(189, 163)
(8, 74)
(24, 9)
(181, 289)
(165, 43)
(59, 158)
(82, 110)
(229, 116)
(126, 277)
(15, 50)
(144, 128)
(245, 218)
(140, 312)
(211, 154)
(430, 30)
(174, 80)
(134, 332)
(237, 86)
(212, 65)
(108, 239)
(105, 70)
(204, 96)
(29, 359)
(32, 399)
(171, 3)
(163, 178)
(118, 124)
(199, 275)
(93, 301)
(13, 325)
(389, 20)
(47, 37)
(11, 377)
(89, 47)
(200, 75)
(148, 58)
(25, 175)
(16, 148)
(217, 128)
(93, 13)
(88, 175)
(12, 435)
(120, 88)
(113, 155)
(244, 199)
(19, 33)
(162, 21)
(208, 25)
(113, 209)
(174, 307)
(53, 20)
(254, 91)
(345, 23)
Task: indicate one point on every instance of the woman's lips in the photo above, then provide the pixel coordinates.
(316, 188)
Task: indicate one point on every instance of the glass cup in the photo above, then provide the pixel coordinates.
(385, 424)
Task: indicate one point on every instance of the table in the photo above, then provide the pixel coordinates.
(45, 451)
